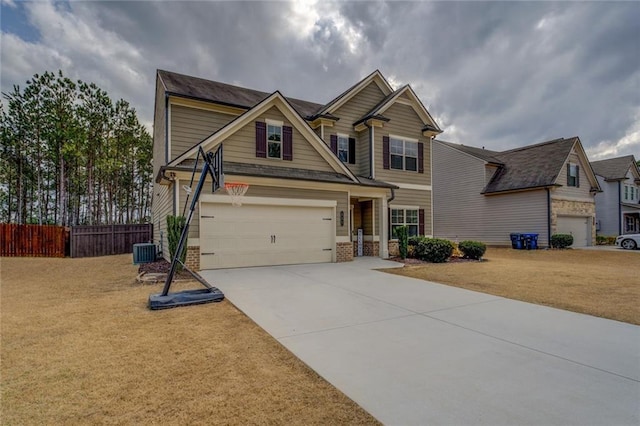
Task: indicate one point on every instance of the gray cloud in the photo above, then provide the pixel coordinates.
(495, 74)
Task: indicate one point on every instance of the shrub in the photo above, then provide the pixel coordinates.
(175, 224)
(433, 250)
(413, 241)
(472, 249)
(402, 232)
(561, 240)
(603, 240)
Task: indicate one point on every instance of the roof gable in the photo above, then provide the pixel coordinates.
(375, 77)
(280, 102)
(616, 168)
(407, 96)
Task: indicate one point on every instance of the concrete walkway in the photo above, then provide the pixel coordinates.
(412, 352)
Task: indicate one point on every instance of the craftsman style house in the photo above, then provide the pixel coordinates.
(543, 189)
(326, 181)
(618, 206)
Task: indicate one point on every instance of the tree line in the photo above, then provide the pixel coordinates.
(70, 155)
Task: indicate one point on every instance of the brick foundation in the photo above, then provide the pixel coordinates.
(344, 253)
(193, 258)
(394, 248)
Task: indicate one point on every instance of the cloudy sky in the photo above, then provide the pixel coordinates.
(493, 74)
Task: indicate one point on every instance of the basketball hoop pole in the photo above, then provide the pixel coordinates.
(211, 168)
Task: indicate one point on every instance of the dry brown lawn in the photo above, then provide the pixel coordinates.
(600, 283)
(79, 346)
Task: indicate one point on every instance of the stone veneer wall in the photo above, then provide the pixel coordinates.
(573, 208)
(344, 252)
(193, 258)
(394, 248)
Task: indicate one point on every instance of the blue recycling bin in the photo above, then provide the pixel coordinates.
(530, 241)
(516, 241)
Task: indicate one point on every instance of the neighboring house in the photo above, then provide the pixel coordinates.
(484, 195)
(317, 173)
(618, 206)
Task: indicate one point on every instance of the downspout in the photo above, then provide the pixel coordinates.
(548, 217)
(619, 208)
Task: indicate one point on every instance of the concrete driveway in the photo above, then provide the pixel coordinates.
(412, 352)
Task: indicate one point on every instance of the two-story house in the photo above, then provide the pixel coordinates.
(326, 181)
(485, 195)
(618, 206)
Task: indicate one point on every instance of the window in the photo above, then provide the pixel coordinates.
(404, 217)
(572, 175)
(626, 192)
(343, 148)
(404, 154)
(274, 140)
(629, 225)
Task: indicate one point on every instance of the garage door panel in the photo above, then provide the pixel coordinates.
(578, 227)
(242, 236)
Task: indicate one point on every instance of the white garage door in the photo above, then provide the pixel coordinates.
(260, 235)
(579, 227)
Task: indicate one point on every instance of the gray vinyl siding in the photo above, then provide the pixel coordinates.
(461, 212)
(413, 197)
(361, 168)
(194, 227)
(241, 147)
(159, 126)
(189, 126)
(161, 207)
(349, 113)
(404, 122)
(572, 191)
(342, 199)
(607, 208)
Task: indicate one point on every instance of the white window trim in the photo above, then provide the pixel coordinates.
(404, 155)
(404, 215)
(346, 137)
(576, 177)
(275, 123)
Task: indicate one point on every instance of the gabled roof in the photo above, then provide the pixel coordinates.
(528, 167)
(615, 168)
(225, 94)
(275, 99)
(339, 100)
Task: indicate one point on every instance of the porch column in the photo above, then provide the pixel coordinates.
(384, 231)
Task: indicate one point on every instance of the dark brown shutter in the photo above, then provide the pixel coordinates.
(352, 151)
(287, 143)
(568, 173)
(261, 139)
(385, 152)
(578, 176)
(334, 144)
(420, 157)
(421, 222)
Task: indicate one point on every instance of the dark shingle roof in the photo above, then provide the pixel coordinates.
(613, 168)
(248, 169)
(532, 166)
(225, 94)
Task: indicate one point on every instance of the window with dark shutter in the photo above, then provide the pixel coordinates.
(287, 143)
(352, 151)
(420, 157)
(261, 139)
(421, 221)
(385, 152)
(334, 144)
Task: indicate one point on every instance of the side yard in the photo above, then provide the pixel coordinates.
(80, 346)
(600, 283)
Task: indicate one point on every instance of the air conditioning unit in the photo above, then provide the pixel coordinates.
(144, 253)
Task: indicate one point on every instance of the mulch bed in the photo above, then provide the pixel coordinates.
(161, 267)
(413, 261)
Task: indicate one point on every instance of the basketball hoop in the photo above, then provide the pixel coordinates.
(236, 191)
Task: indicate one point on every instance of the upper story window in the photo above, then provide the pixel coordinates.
(573, 175)
(626, 192)
(404, 154)
(274, 139)
(343, 148)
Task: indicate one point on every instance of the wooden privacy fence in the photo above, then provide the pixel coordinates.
(103, 240)
(32, 240)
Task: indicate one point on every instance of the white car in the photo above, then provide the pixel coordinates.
(628, 241)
